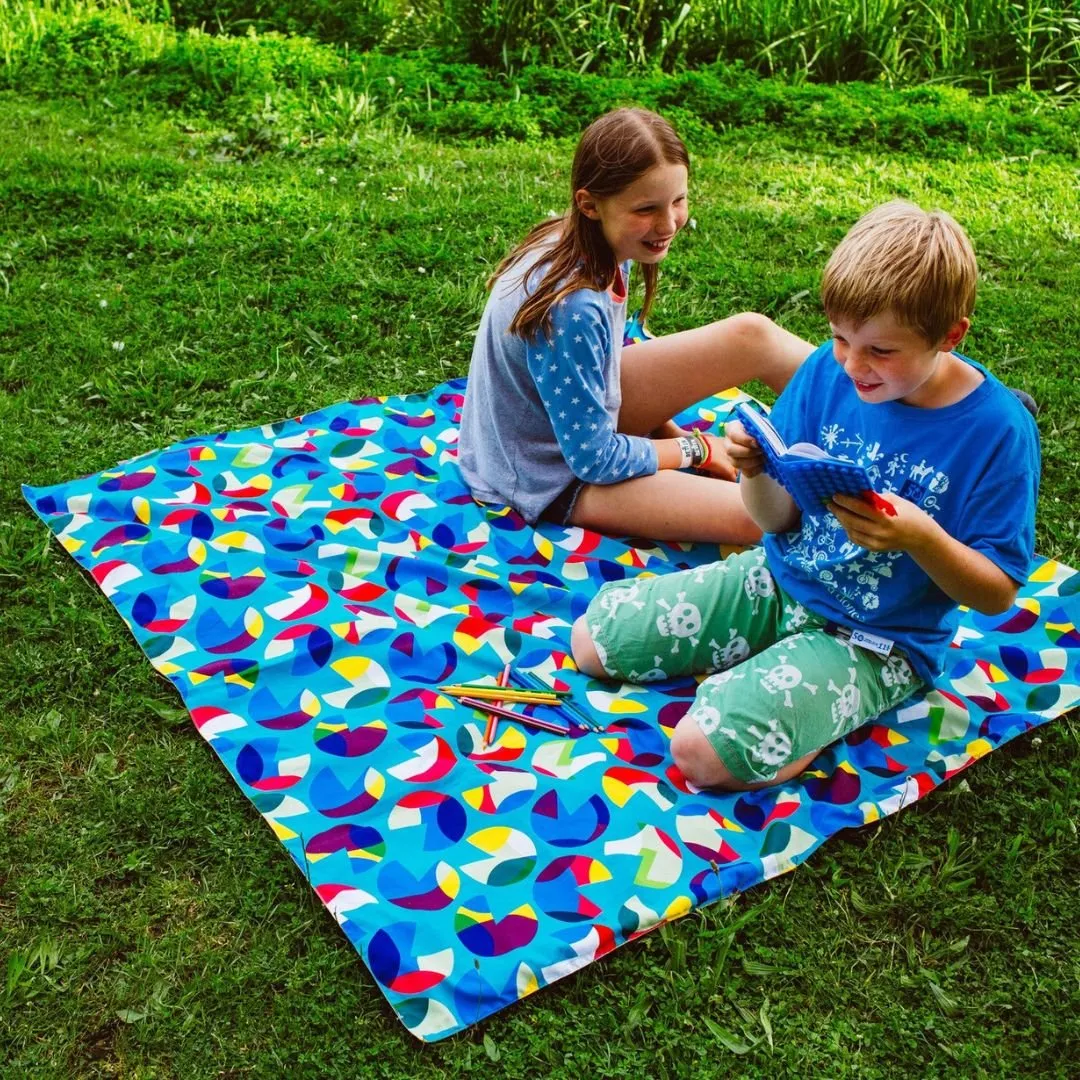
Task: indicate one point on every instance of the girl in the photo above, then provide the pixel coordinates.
(557, 422)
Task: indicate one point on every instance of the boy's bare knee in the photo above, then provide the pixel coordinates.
(584, 651)
(698, 761)
(702, 767)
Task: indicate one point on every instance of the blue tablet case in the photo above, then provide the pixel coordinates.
(808, 473)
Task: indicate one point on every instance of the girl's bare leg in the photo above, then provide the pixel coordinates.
(663, 376)
(669, 505)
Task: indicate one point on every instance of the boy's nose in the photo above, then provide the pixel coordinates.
(852, 364)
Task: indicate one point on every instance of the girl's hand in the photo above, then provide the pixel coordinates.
(875, 530)
(743, 450)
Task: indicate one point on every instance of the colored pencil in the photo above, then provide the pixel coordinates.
(509, 714)
(493, 720)
(493, 693)
(488, 688)
(571, 711)
(537, 684)
(534, 682)
(586, 719)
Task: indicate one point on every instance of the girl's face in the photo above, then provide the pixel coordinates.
(640, 221)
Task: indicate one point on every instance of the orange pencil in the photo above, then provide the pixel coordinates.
(489, 732)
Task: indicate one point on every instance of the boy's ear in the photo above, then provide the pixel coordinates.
(954, 335)
(586, 204)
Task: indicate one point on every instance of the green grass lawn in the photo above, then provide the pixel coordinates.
(151, 288)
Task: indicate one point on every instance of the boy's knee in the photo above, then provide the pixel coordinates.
(698, 761)
(584, 651)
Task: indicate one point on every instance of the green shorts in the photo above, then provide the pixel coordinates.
(785, 687)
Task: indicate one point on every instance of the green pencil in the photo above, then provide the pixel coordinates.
(538, 684)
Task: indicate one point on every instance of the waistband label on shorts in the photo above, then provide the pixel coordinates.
(883, 646)
(880, 645)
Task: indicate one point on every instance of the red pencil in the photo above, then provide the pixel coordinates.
(493, 719)
(521, 718)
(878, 503)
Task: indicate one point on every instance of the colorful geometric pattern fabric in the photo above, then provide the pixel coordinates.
(308, 585)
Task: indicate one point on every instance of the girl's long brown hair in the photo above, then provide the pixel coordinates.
(614, 151)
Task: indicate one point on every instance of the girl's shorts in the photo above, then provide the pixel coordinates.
(560, 508)
(785, 685)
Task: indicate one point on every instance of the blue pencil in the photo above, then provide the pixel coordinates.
(575, 713)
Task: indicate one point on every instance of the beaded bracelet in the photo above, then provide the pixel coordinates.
(706, 449)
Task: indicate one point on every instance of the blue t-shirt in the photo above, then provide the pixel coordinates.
(972, 466)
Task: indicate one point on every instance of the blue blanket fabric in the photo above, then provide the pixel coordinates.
(308, 585)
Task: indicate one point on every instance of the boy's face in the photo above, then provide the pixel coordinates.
(640, 221)
(888, 361)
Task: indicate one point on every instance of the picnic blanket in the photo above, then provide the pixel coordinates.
(308, 585)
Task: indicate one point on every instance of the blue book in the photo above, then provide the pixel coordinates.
(809, 474)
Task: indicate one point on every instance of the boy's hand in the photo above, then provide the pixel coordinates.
(743, 450)
(720, 462)
(876, 530)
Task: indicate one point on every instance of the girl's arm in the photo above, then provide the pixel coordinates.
(962, 573)
(669, 455)
(568, 367)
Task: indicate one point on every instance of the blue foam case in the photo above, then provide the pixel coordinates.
(811, 481)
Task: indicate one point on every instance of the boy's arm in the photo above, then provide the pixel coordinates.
(961, 572)
(771, 507)
(766, 501)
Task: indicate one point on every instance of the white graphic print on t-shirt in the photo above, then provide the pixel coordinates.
(852, 575)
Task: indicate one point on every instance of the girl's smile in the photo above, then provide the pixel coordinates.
(640, 221)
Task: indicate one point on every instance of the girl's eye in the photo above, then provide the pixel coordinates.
(880, 352)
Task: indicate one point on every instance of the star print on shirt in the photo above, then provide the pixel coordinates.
(574, 372)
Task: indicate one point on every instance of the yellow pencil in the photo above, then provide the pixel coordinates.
(495, 693)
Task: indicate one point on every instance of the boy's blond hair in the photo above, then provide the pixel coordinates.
(898, 258)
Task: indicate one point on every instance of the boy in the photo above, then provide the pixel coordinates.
(844, 613)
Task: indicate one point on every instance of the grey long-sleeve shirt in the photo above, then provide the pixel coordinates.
(538, 414)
